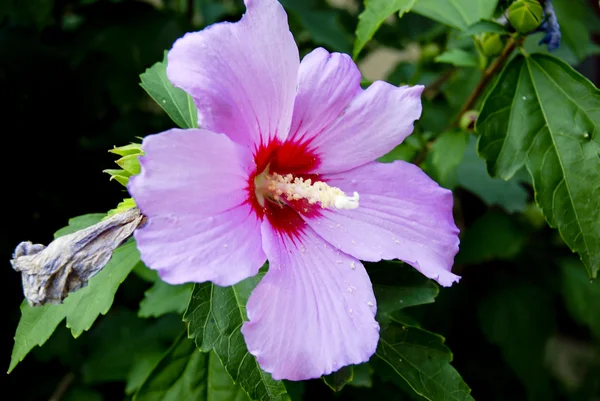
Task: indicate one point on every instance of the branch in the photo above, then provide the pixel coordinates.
(62, 387)
(488, 74)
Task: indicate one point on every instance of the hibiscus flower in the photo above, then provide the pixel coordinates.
(283, 169)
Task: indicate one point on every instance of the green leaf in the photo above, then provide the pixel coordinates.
(363, 376)
(164, 298)
(184, 373)
(375, 12)
(577, 23)
(484, 26)
(472, 175)
(520, 319)
(126, 204)
(121, 334)
(85, 305)
(423, 361)
(411, 288)
(323, 26)
(178, 104)
(545, 115)
(180, 375)
(459, 14)
(582, 297)
(79, 223)
(38, 323)
(35, 328)
(492, 236)
(338, 379)
(446, 154)
(215, 315)
(220, 385)
(458, 58)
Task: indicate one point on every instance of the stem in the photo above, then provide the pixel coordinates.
(488, 74)
(62, 387)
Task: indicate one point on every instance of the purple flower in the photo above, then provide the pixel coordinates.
(276, 173)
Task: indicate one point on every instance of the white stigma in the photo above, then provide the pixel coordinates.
(295, 188)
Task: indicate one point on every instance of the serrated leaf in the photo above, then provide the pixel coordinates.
(577, 23)
(338, 379)
(38, 323)
(35, 328)
(459, 14)
(79, 223)
(121, 333)
(458, 57)
(126, 204)
(545, 115)
(398, 286)
(215, 315)
(180, 375)
(220, 385)
(375, 12)
(446, 154)
(178, 104)
(485, 26)
(423, 361)
(163, 298)
(185, 373)
(85, 305)
(519, 319)
(472, 175)
(581, 295)
(492, 236)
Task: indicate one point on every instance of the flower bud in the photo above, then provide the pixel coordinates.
(430, 51)
(525, 15)
(467, 120)
(491, 44)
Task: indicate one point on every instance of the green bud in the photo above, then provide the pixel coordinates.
(491, 44)
(430, 51)
(525, 15)
(467, 120)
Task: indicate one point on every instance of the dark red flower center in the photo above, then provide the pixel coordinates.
(283, 158)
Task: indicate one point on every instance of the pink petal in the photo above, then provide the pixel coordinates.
(327, 82)
(224, 249)
(193, 190)
(402, 214)
(241, 75)
(191, 173)
(374, 123)
(314, 310)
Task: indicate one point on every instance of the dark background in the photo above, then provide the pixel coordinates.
(69, 92)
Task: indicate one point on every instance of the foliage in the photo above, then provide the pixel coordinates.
(511, 128)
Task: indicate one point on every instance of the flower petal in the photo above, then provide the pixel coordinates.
(327, 82)
(376, 121)
(191, 173)
(313, 312)
(193, 190)
(224, 249)
(402, 214)
(242, 76)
